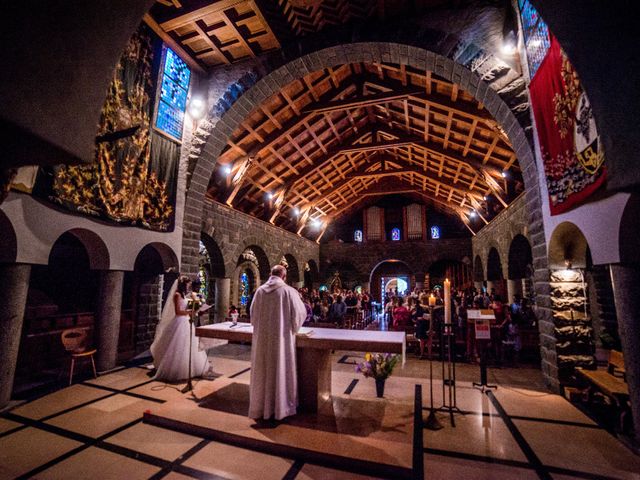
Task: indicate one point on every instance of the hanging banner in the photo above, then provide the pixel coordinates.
(571, 150)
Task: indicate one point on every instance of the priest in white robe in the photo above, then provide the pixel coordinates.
(277, 313)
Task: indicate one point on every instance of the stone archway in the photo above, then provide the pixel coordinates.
(228, 118)
(329, 57)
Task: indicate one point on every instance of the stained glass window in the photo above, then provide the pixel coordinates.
(435, 232)
(395, 234)
(244, 289)
(536, 35)
(173, 95)
(203, 274)
(357, 235)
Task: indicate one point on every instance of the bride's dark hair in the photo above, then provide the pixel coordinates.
(183, 282)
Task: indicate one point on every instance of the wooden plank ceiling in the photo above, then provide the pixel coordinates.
(328, 142)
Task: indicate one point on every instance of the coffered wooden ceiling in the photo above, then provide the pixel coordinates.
(209, 33)
(334, 140)
(329, 141)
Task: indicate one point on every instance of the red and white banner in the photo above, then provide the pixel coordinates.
(571, 150)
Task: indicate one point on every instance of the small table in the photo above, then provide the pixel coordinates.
(314, 346)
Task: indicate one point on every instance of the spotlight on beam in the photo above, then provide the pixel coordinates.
(226, 169)
(269, 195)
(473, 214)
(296, 211)
(504, 174)
(315, 223)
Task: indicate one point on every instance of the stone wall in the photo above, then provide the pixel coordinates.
(500, 232)
(149, 310)
(233, 231)
(419, 255)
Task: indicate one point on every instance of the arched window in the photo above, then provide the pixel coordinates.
(357, 236)
(395, 234)
(435, 232)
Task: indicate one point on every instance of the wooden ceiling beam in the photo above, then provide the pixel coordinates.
(364, 101)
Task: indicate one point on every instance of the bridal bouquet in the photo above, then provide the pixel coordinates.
(378, 366)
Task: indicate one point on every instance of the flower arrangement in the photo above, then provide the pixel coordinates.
(379, 366)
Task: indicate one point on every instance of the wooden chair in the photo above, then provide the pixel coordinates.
(616, 364)
(75, 342)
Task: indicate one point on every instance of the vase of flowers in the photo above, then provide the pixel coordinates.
(379, 367)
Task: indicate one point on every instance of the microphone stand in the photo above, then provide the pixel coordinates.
(432, 422)
(189, 386)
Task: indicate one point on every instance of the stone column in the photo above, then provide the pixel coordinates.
(107, 324)
(626, 292)
(14, 281)
(149, 302)
(513, 287)
(223, 287)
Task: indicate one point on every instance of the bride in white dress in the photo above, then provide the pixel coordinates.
(170, 347)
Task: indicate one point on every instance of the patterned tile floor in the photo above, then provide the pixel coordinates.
(94, 430)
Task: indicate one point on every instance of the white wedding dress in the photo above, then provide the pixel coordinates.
(170, 347)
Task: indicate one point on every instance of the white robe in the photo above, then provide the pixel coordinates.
(277, 313)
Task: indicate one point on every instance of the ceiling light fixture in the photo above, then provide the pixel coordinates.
(226, 169)
(296, 211)
(197, 108)
(504, 174)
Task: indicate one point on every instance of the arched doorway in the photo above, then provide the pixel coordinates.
(389, 278)
(520, 269)
(62, 295)
(495, 278)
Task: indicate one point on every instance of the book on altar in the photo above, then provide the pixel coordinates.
(305, 331)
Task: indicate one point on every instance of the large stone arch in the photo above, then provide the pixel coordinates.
(226, 118)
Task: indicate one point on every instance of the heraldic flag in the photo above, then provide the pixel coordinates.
(571, 150)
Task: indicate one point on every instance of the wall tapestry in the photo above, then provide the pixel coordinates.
(571, 150)
(133, 178)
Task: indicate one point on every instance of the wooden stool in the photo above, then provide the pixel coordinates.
(74, 341)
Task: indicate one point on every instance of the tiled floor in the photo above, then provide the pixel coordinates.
(94, 430)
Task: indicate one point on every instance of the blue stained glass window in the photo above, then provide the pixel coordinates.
(357, 235)
(435, 232)
(244, 289)
(173, 95)
(395, 234)
(536, 35)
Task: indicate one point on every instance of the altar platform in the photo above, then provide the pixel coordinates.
(365, 436)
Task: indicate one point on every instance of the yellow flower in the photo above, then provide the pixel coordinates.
(368, 357)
